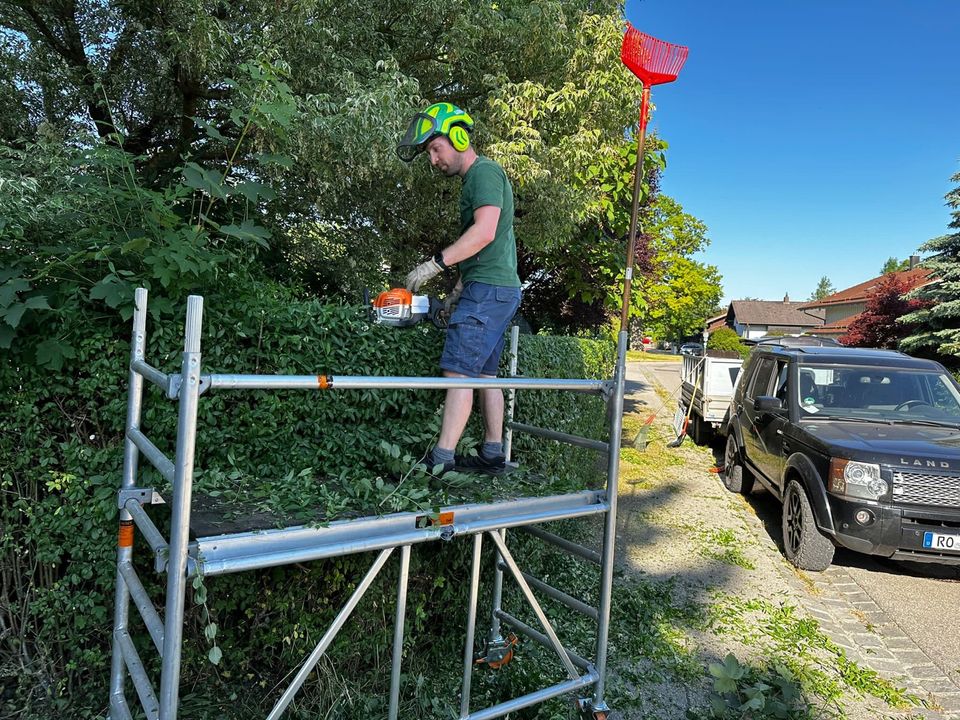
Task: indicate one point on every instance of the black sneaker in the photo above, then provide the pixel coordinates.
(442, 467)
(496, 465)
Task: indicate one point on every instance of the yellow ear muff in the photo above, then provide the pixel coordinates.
(459, 138)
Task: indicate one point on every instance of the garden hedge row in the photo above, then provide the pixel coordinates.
(300, 455)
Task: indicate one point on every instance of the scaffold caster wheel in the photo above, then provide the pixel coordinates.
(498, 653)
(588, 712)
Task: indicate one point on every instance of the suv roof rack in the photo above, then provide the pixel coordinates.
(801, 341)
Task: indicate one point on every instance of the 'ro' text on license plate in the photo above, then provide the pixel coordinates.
(939, 541)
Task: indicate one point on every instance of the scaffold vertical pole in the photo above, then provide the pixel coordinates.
(398, 632)
(180, 511)
(512, 393)
(471, 626)
(610, 524)
(494, 637)
(130, 460)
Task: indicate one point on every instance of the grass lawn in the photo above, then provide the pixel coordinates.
(640, 356)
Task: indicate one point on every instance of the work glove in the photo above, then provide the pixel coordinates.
(421, 273)
(450, 302)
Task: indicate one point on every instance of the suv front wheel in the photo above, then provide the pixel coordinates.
(736, 478)
(803, 544)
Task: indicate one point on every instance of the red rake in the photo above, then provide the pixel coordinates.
(655, 62)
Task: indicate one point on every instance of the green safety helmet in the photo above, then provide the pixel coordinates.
(441, 118)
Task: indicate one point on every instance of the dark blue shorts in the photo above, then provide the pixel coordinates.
(475, 334)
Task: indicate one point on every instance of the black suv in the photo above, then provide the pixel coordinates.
(862, 447)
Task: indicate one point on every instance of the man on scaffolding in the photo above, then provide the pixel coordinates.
(487, 294)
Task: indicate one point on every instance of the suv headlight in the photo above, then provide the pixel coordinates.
(856, 479)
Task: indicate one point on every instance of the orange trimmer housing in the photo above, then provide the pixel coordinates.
(398, 307)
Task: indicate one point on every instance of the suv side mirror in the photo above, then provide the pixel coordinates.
(767, 403)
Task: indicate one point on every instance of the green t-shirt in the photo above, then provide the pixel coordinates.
(486, 184)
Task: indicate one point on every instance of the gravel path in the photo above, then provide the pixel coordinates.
(678, 524)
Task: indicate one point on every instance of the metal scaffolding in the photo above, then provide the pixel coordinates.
(182, 559)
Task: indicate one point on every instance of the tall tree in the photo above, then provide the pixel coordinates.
(938, 325)
(824, 288)
(878, 325)
(552, 102)
(894, 265)
(680, 301)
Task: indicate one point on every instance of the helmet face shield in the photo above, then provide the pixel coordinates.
(421, 128)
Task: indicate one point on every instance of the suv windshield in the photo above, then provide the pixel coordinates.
(877, 393)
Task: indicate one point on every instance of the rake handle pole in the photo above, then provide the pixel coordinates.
(635, 210)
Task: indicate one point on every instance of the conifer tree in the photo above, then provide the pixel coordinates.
(824, 288)
(938, 326)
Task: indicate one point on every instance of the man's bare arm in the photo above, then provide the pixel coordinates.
(477, 236)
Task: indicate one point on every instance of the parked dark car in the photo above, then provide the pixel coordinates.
(691, 348)
(862, 447)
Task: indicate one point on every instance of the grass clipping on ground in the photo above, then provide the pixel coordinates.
(666, 631)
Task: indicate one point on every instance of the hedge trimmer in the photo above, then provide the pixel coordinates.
(398, 307)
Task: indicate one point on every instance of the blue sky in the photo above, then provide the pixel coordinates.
(813, 138)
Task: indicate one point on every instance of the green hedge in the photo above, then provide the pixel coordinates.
(726, 339)
(296, 454)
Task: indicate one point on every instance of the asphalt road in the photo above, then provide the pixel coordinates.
(922, 599)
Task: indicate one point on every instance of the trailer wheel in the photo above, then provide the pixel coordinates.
(736, 478)
(701, 430)
(695, 430)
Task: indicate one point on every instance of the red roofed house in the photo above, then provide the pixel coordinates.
(844, 306)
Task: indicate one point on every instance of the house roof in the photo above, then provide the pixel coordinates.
(858, 293)
(774, 312)
(715, 322)
(839, 327)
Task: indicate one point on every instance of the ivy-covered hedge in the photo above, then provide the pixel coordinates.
(298, 455)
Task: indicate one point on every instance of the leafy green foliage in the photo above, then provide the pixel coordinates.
(938, 325)
(726, 339)
(310, 100)
(579, 284)
(82, 228)
(808, 673)
(894, 265)
(744, 692)
(683, 298)
(290, 457)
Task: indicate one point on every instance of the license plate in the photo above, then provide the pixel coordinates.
(939, 541)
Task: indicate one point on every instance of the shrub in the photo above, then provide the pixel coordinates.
(290, 453)
(726, 339)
